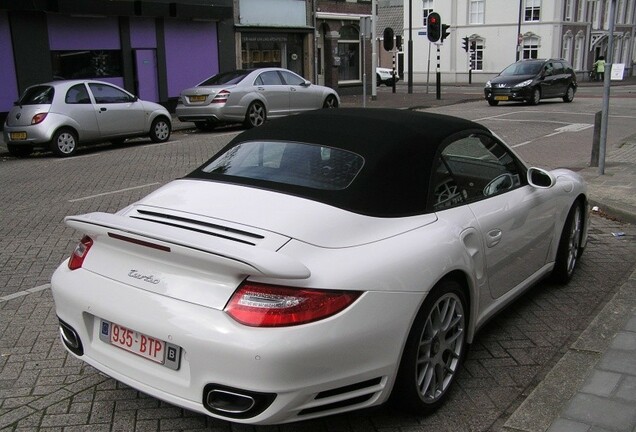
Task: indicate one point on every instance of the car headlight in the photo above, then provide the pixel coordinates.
(524, 83)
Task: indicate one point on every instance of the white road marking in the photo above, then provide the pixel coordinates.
(25, 292)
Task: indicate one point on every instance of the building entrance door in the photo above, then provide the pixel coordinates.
(146, 74)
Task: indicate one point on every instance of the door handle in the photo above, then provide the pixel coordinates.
(103, 109)
(493, 237)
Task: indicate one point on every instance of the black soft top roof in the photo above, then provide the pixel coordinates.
(398, 147)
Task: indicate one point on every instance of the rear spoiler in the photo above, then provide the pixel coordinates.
(246, 259)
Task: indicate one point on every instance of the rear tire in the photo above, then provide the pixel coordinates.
(255, 115)
(19, 151)
(434, 351)
(64, 143)
(160, 130)
(570, 248)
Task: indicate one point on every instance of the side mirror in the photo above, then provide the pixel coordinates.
(306, 83)
(540, 178)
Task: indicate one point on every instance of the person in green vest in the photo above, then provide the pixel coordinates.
(599, 67)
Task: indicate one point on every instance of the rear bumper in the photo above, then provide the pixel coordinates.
(345, 362)
(208, 113)
(35, 136)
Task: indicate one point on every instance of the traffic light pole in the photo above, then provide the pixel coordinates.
(438, 76)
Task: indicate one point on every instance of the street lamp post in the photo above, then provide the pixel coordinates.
(519, 30)
(606, 90)
(410, 59)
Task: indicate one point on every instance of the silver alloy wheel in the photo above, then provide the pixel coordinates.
(256, 114)
(162, 130)
(440, 347)
(569, 94)
(574, 240)
(65, 143)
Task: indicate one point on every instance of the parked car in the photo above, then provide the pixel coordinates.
(251, 96)
(385, 76)
(531, 81)
(318, 264)
(61, 115)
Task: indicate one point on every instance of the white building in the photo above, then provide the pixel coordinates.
(503, 31)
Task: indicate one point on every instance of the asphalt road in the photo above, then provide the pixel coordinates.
(44, 388)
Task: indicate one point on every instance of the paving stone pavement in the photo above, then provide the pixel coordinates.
(44, 388)
(517, 355)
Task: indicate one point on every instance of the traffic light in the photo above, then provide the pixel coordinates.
(388, 39)
(398, 42)
(465, 43)
(445, 31)
(433, 27)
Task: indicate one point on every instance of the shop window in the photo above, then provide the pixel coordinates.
(86, 64)
(349, 54)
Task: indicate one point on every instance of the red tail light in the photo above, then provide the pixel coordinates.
(78, 255)
(221, 97)
(260, 305)
(38, 118)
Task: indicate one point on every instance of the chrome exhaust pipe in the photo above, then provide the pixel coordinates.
(230, 402)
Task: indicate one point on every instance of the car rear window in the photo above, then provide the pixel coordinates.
(291, 163)
(37, 95)
(232, 77)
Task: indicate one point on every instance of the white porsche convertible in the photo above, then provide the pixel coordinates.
(318, 264)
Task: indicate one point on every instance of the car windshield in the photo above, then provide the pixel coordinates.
(37, 95)
(522, 68)
(290, 163)
(232, 77)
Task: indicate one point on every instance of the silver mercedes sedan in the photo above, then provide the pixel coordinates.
(62, 114)
(251, 96)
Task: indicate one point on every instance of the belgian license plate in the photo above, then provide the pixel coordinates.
(150, 348)
(18, 136)
(501, 98)
(197, 98)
